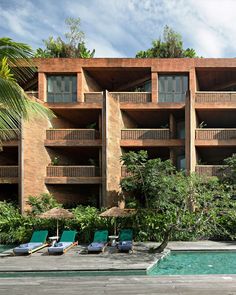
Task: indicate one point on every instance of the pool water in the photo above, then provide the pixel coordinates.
(196, 263)
(5, 247)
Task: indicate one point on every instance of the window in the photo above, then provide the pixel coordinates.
(61, 88)
(172, 88)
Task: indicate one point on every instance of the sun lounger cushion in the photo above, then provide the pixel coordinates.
(125, 245)
(59, 247)
(26, 248)
(96, 247)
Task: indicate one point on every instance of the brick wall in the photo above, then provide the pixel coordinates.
(35, 158)
(113, 151)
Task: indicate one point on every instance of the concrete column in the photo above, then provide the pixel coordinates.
(190, 124)
(35, 159)
(172, 126)
(80, 94)
(42, 86)
(154, 87)
(103, 130)
(111, 151)
(21, 169)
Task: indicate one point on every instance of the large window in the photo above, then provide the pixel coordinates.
(172, 88)
(61, 88)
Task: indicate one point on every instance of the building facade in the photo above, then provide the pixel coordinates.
(178, 109)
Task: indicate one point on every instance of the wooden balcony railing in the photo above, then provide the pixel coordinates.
(8, 171)
(93, 97)
(215, 97)
(72, 134)
(211, 170)
(34, 94)
(136, 134)
(215, 133)
(132, 97)
(73, 171)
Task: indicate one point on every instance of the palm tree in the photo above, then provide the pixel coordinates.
(15, 68)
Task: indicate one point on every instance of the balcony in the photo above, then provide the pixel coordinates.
(215, 97)
(8, 174)
(149, 137)
(211, 170)
(93, 97)
(72, 174)
(132, 97)
(215, 136)
(72, 137)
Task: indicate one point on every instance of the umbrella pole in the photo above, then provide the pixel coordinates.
(115, 227)
(57, 229)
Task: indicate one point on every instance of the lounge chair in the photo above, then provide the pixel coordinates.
(37, 242)
(125, 243)
(99, 241)
(67, 241)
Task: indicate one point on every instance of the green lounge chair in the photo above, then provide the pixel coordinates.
(67, 241)
(125, 243)
(99, 242)
(37, 242)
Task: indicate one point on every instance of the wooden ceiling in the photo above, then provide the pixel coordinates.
(114, 79)
(215, 79)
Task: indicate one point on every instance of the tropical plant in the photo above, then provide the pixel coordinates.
(73, 46)
(188, 203)
(42, 203)
(15, 69)
(169, 46)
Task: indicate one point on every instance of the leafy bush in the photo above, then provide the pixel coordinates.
(42, 203)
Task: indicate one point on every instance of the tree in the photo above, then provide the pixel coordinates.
(170, 47)
(73, 47)
(230, 170)
(16, 67)
(170, 193)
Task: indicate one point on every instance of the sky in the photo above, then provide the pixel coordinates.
(120, 28)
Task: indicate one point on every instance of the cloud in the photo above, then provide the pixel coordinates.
(121, 28)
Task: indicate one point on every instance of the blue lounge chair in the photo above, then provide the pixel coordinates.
(99, 241)
(37, 242)
(125, 243)
(67, 241)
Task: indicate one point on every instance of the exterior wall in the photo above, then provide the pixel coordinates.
(113, 151)
(89, 84)
(126, 121)
(35, 159)
(35, 156)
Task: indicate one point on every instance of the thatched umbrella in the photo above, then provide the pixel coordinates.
(57, 213)
(117, 212)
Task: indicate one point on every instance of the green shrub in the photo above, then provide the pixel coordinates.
(42, 203)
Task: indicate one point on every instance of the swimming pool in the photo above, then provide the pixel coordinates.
(5, 247)
(196, 263)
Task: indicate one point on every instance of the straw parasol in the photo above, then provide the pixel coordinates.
(57, 213)
(117, 212)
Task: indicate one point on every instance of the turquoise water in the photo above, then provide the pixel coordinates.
(196, 263)
(5, 247)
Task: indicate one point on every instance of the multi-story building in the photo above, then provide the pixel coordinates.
(178, 109)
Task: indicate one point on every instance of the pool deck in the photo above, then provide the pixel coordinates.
(77, 259)
(108, 261)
